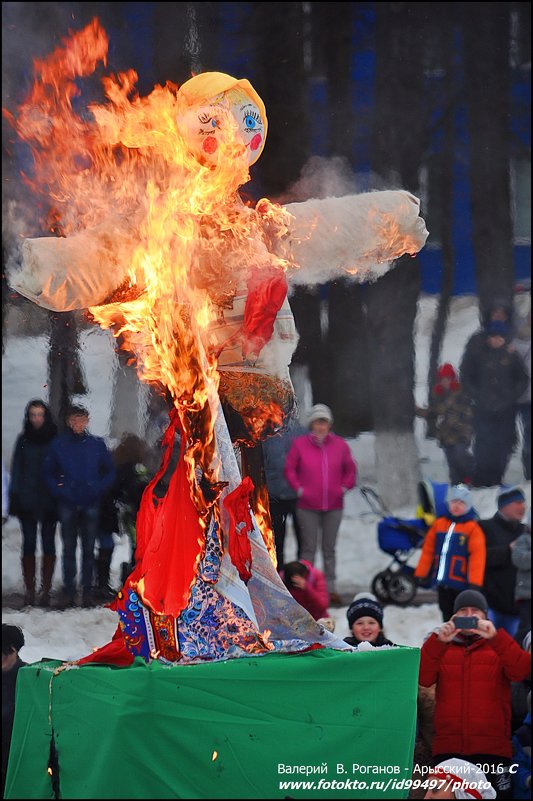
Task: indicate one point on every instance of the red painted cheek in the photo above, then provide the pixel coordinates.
(255, 144)
(209, 144)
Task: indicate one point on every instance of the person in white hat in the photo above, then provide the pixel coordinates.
(320, 468)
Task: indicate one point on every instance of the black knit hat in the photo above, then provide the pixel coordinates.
(364, 606)
(471, 598)
(508, 495)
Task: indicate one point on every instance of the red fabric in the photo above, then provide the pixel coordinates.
(171, 539)
(266, 293)
(114, 653)
(146, 513)
(238, 505)
(473, 693)
(313, 647)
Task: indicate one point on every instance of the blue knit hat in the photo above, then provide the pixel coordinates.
(459, 492)
(510, 495)
(364, 605)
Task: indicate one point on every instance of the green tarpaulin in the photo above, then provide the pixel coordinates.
(244, 728)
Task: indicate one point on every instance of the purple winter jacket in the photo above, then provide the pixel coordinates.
(319, 472)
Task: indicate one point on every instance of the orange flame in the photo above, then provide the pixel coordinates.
(264, 521)
(124, 170)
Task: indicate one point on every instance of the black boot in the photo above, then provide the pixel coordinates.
(103, 589)
(48, 566)
(28, 573)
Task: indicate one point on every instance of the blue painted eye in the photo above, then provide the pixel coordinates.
(249, 121)
(214, 123)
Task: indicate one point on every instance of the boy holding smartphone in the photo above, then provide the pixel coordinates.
(472, 669)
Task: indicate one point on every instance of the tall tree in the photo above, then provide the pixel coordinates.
(486, 31)
(440, 57)
(65, 373)
(346, 384)
(392, 301)
(280, 79)
(186, 38)
(279, 42)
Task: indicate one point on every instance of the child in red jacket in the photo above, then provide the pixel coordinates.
(307, 585)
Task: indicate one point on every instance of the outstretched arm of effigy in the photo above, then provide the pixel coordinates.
(357, 235)
(74, 272)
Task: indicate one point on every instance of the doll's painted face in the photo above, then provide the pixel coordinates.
(226, 118)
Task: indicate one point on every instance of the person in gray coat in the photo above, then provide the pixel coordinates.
(282, 498)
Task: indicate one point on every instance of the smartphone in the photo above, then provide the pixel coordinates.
(465, 622)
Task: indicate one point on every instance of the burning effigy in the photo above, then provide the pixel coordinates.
(158, 245)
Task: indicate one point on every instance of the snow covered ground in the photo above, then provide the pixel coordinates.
(73, 633)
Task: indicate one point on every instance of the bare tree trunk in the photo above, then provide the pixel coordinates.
(346, 388)
(487, 78)
(281, 81)
(186, 40)
(65, 375)
(126, 405)
(332, 35)
(310, 352)
(445, 191)
(391, 305)
(392, 301)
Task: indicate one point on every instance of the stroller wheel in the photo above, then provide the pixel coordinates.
(402, 589)
(380, 585)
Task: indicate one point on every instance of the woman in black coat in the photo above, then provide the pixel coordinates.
(30, 500)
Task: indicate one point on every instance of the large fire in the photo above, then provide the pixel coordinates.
(127, 171)
(157, 243)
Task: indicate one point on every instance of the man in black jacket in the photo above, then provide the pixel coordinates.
(501, 531)
(494, 376)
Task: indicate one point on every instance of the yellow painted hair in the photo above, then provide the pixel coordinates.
(207, 85)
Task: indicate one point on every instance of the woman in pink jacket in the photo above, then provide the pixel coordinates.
(320, 468)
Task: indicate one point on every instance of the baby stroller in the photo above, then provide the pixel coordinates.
(400, 538)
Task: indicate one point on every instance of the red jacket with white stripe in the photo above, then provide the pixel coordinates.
(473, 693)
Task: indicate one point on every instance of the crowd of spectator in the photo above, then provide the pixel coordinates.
(71, 479)
(474, 680)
